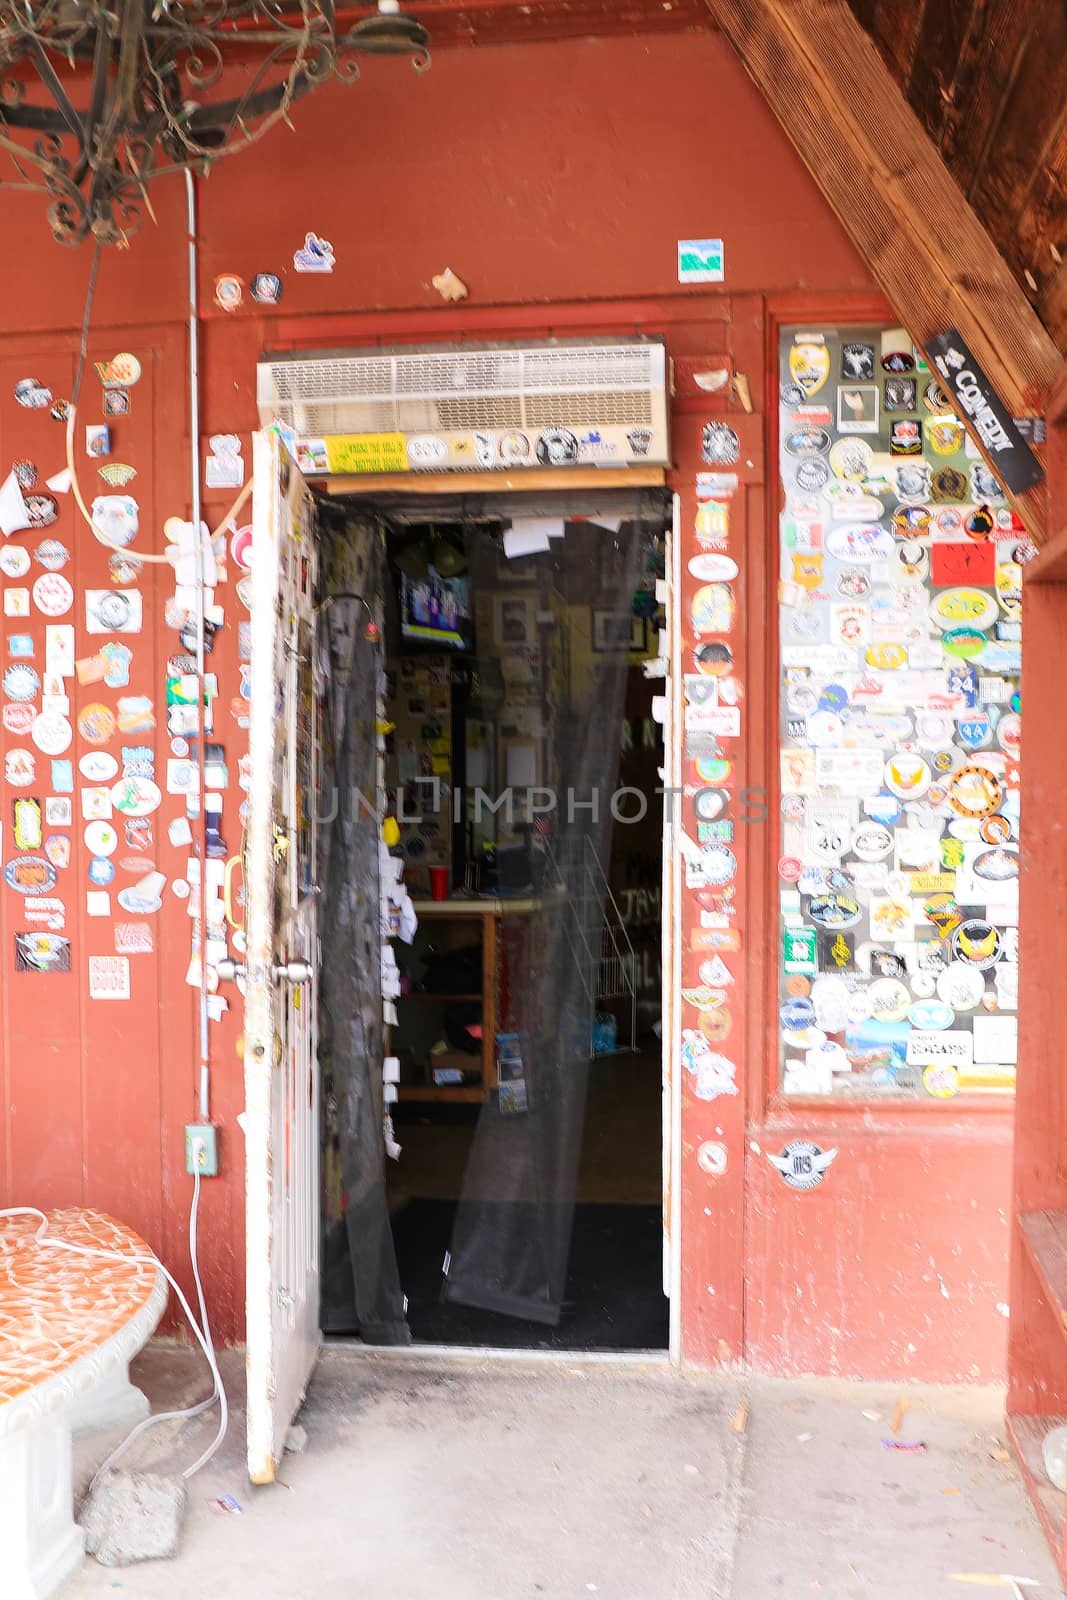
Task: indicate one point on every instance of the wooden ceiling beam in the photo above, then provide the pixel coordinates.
(882, 175)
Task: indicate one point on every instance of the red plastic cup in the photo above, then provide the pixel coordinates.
(438, 883)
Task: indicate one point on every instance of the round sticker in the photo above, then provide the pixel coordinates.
(53, 595)
(834, 911)
(709, 568)
(790, 868)
(96, 724)
(100, 839)
(52, 733)
(714, 659)
(955, 608)
(977, 943)
(21, 682)
(710, 804)
(136, 797)
(1009, 731)
(889, 1000)
(871, 841)
(52, 555)
(995, 829)
(20, 768)
(851, 459)
(996, 865)
(101, 871)
(98, 766)
(14, 561)
(931, 1014)
(19, 719)
(960, 986)
(124, 568)
(180, 888)
(974, 792)
(241, 547)
(942, 1080)
(907, 775)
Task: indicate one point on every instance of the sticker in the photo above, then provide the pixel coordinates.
(96, 724)
(30, 875)
(860, 543)
(315, 255)
(809, 365)
(974, 791)
(229, 291)
(112, 610)
(21, 683)
(57, 849)
(961, 986)
(41, 952)
(803, 1165)
(136, 797)
(115, 519)
(907, 775)
(109, 978)
(14, 561)
(977, 943)
(58, 808)
(53, 595)
(713, 608)
(709, 568)
(101, 871)
(956, 607)
(100, 838)
(116, 402)
(857, 362)
(799, 951)
(20, 768)
(701, 261)
(19, 719)
(124, 569)
(953, 563)
(52, 555)
(52, 733)
(224, 467)
(711, 1074)
(712, 1158)
(266, 288)
(135, 714)
(857, 408)
(32, 394)
(98, 766)
(27, 824)
(942, 1080)
(720, 445)
(121, 372)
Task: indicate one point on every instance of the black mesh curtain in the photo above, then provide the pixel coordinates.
(361, 1285)
(512, 1232)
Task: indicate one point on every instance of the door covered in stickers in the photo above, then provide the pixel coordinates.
(281, 962)
(900, 638)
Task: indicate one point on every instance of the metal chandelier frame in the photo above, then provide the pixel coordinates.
(100, 97)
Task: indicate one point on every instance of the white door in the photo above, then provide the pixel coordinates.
(281, 961)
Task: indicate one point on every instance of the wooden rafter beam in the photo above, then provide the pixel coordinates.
(878, 169)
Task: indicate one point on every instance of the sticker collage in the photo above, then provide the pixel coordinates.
(900, 601)
(81, 822)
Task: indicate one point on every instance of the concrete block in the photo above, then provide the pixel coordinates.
(133, 1516)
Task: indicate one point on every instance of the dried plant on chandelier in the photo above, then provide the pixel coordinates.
(100, 97)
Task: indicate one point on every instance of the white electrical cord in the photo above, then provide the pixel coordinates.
(201, 1330)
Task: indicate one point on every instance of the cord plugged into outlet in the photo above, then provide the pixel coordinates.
(201, 1150)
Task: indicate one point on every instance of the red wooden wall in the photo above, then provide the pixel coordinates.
(556, 180)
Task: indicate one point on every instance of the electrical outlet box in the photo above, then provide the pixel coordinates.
(201, 1149)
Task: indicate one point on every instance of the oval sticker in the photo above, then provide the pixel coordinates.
(956, 608)
(711, 568)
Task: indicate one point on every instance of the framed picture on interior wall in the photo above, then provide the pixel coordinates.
(613, 630)
(515, 618)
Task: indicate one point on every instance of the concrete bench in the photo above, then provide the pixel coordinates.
(69, 1326)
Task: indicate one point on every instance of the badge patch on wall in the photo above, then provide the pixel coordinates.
(802, 1164)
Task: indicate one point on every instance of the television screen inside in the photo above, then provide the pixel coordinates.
(436, 610)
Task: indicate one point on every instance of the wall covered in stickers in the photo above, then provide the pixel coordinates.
(569, 223)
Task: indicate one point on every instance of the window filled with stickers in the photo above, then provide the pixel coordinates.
(900, 597)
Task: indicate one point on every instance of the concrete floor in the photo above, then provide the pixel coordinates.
(506, 1479)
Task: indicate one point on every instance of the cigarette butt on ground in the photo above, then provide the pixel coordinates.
(898, 1414)
(739, 1420)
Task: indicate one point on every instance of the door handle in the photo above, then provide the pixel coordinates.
(230, 971)
(292, 971)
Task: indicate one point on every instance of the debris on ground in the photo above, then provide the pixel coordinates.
(227, 1506)
(296, 1440)
(133, 1516)
(916, 1446)
(739, 1420)
(898, 1414)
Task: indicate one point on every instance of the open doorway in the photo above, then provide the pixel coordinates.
(499, 1181)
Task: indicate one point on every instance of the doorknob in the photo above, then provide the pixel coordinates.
(292, 971)
(229, 971)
